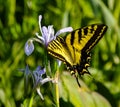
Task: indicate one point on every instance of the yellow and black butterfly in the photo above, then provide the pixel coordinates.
(74, 49)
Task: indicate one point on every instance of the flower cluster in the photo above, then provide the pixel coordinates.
(47, 35)
(37, 78)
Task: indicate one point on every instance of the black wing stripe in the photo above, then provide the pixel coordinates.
(56, 43)
(86, 31)
(80, 35)
(99, 32)
(72, 37)
(58, 56)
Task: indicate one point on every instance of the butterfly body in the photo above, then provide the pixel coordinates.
(74, 49)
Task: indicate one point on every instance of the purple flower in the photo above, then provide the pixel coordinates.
(47, 35)
(37, 78)
(29, 47)
(27, 73)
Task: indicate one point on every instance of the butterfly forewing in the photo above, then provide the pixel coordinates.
(59, 50)
(97, 34)
(85, 38)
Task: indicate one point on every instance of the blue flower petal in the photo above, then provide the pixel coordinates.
(45, 33)
(40, 71)
(29, 47)
(64, 30)
(38, 68)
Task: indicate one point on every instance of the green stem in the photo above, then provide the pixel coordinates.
(31, 101)
(57, 89)
(46, 61)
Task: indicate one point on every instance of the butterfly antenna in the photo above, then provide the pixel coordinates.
(91, 76)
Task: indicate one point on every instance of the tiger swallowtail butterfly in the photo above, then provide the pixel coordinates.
(74, 49)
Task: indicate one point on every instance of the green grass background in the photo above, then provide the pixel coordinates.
(19, 22)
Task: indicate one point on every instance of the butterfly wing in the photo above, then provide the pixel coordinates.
(74, 48)
(82, 40)
(58, 49)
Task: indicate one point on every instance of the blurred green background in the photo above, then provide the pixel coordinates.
(19, 22)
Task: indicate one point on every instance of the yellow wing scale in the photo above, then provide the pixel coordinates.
(58, 49)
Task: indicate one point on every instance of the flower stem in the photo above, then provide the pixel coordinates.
(57, 89)
(31, 101)
(46, 62)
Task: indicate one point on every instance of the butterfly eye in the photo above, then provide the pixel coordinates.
(74, 67)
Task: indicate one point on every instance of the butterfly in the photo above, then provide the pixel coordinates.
(74, 48)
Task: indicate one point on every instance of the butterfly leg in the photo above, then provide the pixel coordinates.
(76, 77)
